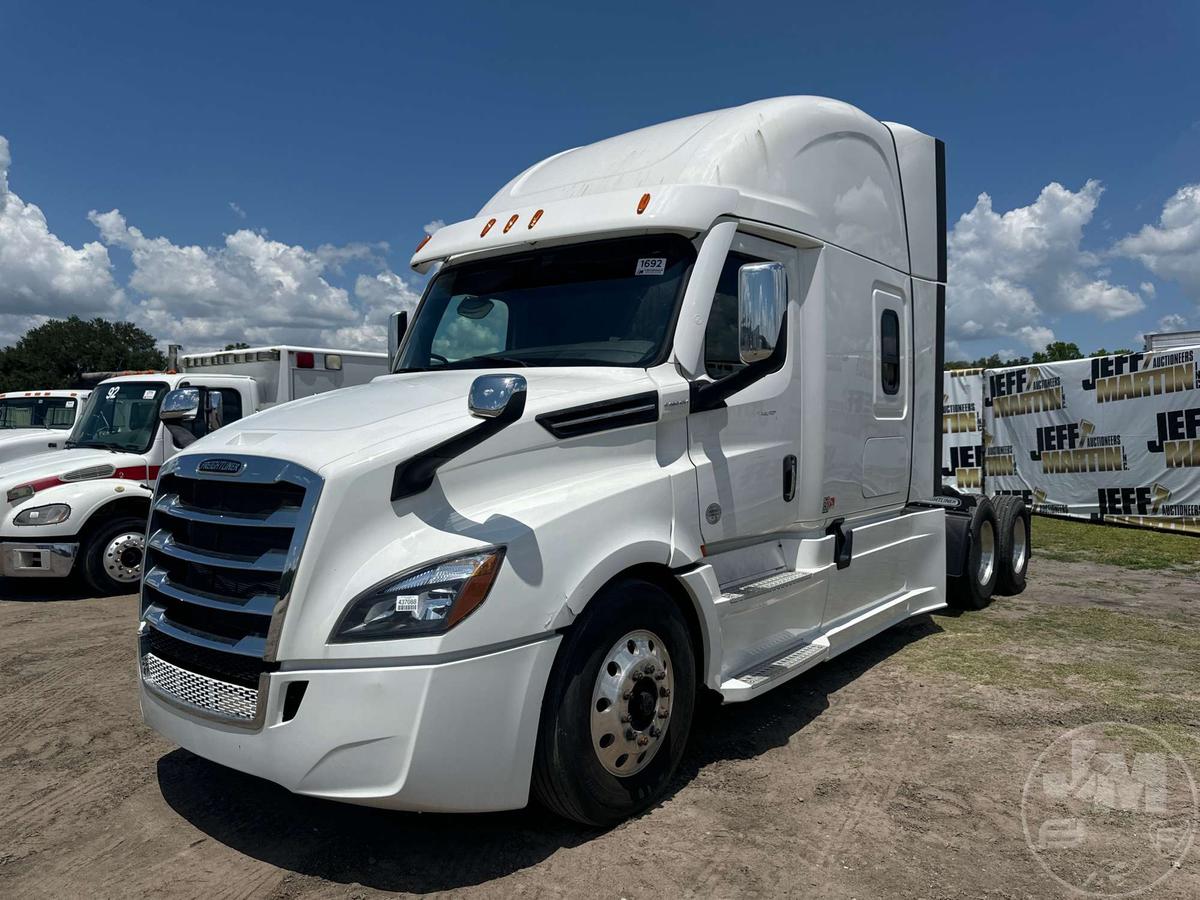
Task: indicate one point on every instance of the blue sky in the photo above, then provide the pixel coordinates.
(353, 125)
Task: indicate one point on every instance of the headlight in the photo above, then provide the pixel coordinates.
(44, 515)
(429, 600)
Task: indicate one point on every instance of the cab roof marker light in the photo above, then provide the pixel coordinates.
(534, 220)
(511, 223)
(487, 227)
(424, 241)
(643, 203)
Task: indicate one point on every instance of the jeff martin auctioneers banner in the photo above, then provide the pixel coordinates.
(1111, 438)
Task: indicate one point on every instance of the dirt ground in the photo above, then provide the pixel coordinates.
(895, 770)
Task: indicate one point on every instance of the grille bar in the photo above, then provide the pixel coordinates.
(250, 645)
(199, 691)
(164, 542)
(157, 579)
(173, 505)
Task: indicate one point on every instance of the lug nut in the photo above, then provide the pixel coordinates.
(664, 692)
(655, 731)
(628, 694)
(626, 718)
(662, 713)
(659, 676)
(642, 740)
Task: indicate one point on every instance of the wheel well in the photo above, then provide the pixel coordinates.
(661, 576)
(134, 507)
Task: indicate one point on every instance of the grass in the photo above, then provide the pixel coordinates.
(1133, 548)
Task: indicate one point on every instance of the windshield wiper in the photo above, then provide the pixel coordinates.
(471, 362)
(94, 445)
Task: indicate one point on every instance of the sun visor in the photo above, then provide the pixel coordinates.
(686, 208)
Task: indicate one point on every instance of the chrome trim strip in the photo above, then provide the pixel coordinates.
(251, 646)
(171, 505)
(158, 580)
(272, 561)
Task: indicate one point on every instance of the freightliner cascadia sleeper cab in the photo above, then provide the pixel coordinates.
(667, 420)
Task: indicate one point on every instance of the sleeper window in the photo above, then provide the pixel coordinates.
(889, 351)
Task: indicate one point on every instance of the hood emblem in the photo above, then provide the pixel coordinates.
(221, 466)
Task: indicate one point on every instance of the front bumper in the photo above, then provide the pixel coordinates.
(52, 560)
(448, 737)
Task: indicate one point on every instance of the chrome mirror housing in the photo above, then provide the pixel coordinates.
(496, 396)
(180, 405)
(762, 301)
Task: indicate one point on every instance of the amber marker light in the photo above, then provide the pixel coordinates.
(643, 203)
(511, 222)
(487, 227)
(533, 221)
(424, 241)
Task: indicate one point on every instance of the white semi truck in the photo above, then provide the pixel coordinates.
(667, 419)
(83, 509)
(33, 422)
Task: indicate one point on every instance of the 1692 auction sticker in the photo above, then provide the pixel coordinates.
(655, 265)
(1109, 810)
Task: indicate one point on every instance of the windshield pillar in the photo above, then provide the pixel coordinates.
(688, 352)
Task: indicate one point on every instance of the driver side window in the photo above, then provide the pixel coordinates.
(721, 357)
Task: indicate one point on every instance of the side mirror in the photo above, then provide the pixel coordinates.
(762, 301)
(215, 411)
(397, 325)
(497, 397)
(180, 405)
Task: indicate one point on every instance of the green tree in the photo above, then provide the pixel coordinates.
(56, 354)
(240, 345)
(1057, 351)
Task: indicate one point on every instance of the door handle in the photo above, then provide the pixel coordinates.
(789, 478)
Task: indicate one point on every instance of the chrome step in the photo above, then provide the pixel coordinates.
(776, 581)
(766, 675)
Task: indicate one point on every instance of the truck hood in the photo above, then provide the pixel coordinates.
(407, 412)
(20, 442)
(47, 467)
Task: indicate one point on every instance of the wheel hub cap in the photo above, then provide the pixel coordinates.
(123, 557)
(987, 552)
(631, 703)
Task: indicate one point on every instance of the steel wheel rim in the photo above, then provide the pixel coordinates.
(1020, 545)
(987, 551)
(123, 557)
(632, 702)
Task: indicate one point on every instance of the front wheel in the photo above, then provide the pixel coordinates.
(618, 707)
(112, 556)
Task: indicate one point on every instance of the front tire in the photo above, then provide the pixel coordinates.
(112, 556)
(618, 707)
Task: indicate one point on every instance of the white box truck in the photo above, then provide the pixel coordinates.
(33, 422)
(83, 509)
(667, 419)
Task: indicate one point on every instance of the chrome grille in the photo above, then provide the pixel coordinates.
(221, 553)
(200, 691)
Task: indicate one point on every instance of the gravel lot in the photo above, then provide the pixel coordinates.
(894, 771)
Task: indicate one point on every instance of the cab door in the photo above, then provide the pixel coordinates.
(745, 452)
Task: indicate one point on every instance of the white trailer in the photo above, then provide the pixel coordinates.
(33, 422)
(83, 509)
(668, 419)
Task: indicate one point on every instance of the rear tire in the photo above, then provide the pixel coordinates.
(1014, 543)
(603, 709)
(974, 588)
(112, 556)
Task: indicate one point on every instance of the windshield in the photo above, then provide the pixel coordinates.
(120, 417)
(37, 412)
(605, 303)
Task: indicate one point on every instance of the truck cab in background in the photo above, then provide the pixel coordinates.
(667, 420)
(33, 422)
(83, 510)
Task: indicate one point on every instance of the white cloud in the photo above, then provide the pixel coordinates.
(1171, 249)
(1010, 272)
(380, 296)
(435, 225)
(1148, 289)
(40, 275)
(237, 210)
(1172, 322)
